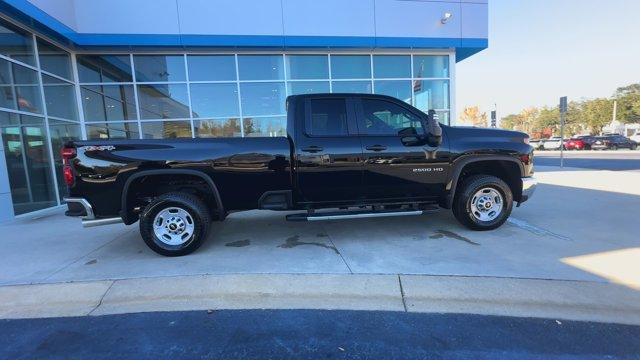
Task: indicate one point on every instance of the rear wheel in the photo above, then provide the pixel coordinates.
(175, 224)
(614, 147)
(483, 202)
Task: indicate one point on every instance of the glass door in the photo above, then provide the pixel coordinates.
(28, 162)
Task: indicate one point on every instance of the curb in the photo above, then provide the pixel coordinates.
(568, 300)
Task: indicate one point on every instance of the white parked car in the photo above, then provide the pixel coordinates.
(635, 137)
(553, 143)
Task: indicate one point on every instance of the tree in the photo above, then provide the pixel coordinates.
(472, 115)
(628, 98)
(597, 113)
(510, 121)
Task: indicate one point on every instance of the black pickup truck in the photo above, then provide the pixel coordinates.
(358, 154)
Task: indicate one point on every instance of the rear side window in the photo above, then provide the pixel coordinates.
(328, 118)
(386, 118)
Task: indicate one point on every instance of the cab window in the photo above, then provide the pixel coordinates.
(328, 118)
(386, 118)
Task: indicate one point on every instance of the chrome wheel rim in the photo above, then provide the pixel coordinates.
(486, 204)
(173, 226)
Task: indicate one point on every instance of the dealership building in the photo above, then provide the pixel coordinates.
(142, 69)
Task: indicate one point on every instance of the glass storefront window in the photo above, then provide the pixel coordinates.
(104, 68)
(61, 132)
(391, 66)
(217, 128)
(308, 87)
(28, 164)
(307, 67)
(431, 66)
(159, 68)
(16, 43)
(350, 66)
(261, 67)
(399, 89)
(60, 97)
(211, 67)
(125, 96)
(19, 88)
(262, 98)
(166, 129)
(214, 100)
(165, 101)
(362, 87)
(108, 102)
(54, 60)
(107, 131)
(443, 117)
(265, 126)
(431, 94)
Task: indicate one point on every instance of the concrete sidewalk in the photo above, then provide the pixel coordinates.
(569, 300)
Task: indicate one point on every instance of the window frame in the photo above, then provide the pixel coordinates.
(352, 129)
(409, 108)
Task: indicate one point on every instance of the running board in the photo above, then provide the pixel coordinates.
(355, 215)
(100, 222)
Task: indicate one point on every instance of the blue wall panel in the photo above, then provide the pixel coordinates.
(265, 23)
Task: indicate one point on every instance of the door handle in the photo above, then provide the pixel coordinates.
(312, 149)
(376, 147)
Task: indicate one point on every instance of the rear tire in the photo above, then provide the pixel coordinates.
(175, 224)
(482, 202)
(614, 147)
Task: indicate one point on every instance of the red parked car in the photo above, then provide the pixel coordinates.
(575, 144)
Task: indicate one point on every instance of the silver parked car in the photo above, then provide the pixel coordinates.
(553, 143)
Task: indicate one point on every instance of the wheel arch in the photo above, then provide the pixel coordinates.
(127, 214)
(491, 162)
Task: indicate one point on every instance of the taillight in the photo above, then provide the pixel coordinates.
(526, 159)
(68, 153)
(67, 172)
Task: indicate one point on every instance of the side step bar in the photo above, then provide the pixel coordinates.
(341, 215)
(99, 222)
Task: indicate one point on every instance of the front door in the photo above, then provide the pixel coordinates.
(328, 152)
(392, 169)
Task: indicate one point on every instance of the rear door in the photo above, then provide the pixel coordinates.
(392, 169)
(328, 151)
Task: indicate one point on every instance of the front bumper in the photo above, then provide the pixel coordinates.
(529, 185)
(80, 207)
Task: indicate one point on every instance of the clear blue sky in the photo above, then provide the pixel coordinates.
(540, 50)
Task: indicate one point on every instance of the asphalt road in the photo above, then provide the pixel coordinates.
(272, 334)
(599, 160)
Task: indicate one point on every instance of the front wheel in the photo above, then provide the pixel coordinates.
(175, 224)
(483, 202)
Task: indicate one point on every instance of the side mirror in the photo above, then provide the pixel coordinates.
(433, 130)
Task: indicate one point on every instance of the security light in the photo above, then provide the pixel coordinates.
(446, 17)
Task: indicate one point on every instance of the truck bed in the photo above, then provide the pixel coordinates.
(242, 168)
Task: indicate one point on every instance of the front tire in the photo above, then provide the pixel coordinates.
(483, 202)
(175, 224)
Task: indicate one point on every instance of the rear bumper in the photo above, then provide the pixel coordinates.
(81, 207)
(529, 185)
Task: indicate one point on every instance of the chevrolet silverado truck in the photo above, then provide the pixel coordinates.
(344, 156)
